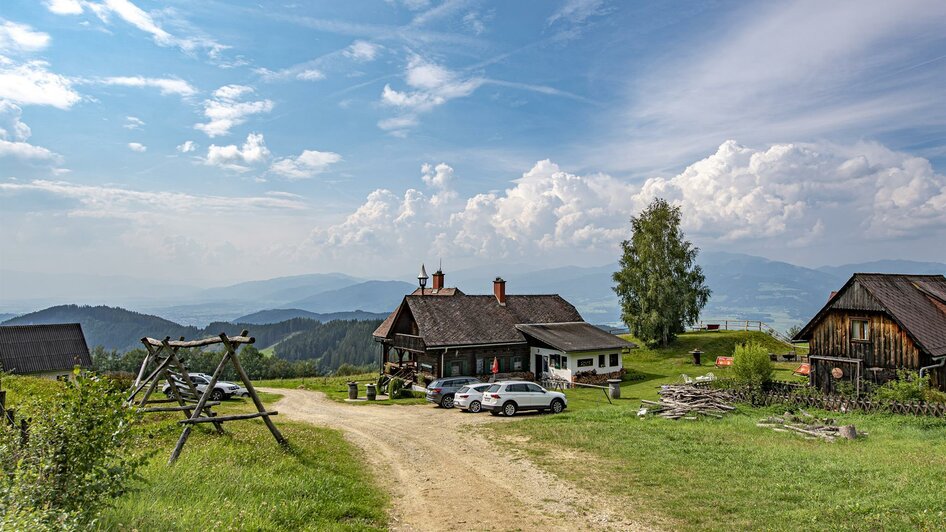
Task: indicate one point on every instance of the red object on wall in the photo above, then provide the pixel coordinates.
(495, 365)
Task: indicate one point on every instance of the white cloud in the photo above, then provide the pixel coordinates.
(64, 7)
(310, 74)
(362, 51)
(16, 37)
(239, 158)
(137, 147)
(577, 11)
(14, 134)
(187, 147)
(435, 85)
(308, 164)
(133, 122)
(165, 85)
(786, 195)
(225, 110)
(31, 83)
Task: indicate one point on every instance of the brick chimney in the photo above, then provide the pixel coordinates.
(438, 280)
(499, 290)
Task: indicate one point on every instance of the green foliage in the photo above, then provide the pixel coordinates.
(396, 389)
(333, 344)
(75, 461)
(256, 365)
(908, 387)
(347, 369)
(751, 365)
(660, 286)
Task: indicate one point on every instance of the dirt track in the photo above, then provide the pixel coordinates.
(449, 477)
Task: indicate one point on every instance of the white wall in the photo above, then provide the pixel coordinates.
(573, 358)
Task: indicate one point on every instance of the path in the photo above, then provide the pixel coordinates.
(448, 476)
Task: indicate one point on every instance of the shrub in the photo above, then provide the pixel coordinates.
(908, 387)
(75, 460)
(396, 389)
(752, 365)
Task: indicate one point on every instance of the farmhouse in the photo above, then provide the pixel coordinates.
(444, 332)
(51, 351)
(876, 324)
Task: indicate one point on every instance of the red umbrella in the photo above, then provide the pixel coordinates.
(495, 365)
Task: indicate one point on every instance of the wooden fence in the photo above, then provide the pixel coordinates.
(784, 393)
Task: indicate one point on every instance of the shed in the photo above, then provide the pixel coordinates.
(876, 324)
(52, 350)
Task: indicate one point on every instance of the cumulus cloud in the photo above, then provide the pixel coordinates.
(362, 51)
(64, 7)
(31, 83)
(308, 164)
(793, 194)
(226, 109)
(167, 86)
(21, 38)
(433, 85)
(137, 147)
(187, 146)
(14, 134)
(310, 74)
(239, 158)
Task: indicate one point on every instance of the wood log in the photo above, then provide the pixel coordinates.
(233, 417)
(202, 342)
(847, 431)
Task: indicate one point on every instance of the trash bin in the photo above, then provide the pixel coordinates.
(353, 390)
(696, 356)
(614, 388)
(371, 392)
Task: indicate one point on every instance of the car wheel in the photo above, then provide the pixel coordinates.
(475, 407)
(557, 406)
(509, 409)
(217, 395)
(447, 401)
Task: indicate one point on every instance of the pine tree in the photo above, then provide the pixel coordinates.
(660, 286)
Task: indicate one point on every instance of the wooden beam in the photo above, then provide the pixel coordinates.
(234, 417)
(186, 408)
(201, 343)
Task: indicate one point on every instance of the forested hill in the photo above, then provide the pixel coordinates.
(333, 343)
(121, 330)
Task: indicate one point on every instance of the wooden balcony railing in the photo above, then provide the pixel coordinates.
(409, 342)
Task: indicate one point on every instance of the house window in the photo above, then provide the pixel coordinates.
(600, 361)
(564, 362)
(614, 360)
(517, 364)
(586, 362)
(860, 330)
(480, 366)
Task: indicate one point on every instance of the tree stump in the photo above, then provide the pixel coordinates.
(847, 431)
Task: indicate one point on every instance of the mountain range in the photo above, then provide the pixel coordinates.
(744, 287)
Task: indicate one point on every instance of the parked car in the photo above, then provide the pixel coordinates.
(442, 391)
(509, 397)
(222, 390)
(470, 397)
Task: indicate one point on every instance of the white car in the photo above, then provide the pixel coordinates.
(509, 397)
(222, 389)
(470, 397)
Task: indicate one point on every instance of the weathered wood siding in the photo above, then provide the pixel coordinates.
(888, 346)
(467, 359)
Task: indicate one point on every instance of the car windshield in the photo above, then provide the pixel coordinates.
(493, 388)
(436, 384)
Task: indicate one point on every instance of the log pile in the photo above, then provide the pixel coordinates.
(687, 402)
(810, 427)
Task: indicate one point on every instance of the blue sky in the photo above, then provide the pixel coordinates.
(191, 141)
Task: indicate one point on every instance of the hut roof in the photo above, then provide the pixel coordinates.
(574, 336)
(41, 348)
(916, 302)
(385, 327)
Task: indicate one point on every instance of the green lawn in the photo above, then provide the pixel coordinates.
(242, 480)
(336, 388)
(729, 474)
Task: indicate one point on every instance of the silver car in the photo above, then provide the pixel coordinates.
(222, 389)
(470, 397)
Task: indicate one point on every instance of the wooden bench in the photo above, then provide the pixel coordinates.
(712, 327)
(722, 362)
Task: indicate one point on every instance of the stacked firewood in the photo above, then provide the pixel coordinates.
(810, 427)
(685, 401)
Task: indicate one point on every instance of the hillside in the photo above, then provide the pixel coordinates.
(370, 296)
(277, 315)
(333, 343)
(280, 289)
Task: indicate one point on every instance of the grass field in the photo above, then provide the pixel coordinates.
(336, 388)
(729, 474)
(242, 480)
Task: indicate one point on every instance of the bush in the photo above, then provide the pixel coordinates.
(908, 387)
(752, 365)
(75, 460)
(396, 389)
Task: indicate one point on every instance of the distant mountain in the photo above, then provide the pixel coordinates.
(278, 315)
(6, 316)
(845, 271)
(281, 289)
(370, 296)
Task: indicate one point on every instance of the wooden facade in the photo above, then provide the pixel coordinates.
(841, 349)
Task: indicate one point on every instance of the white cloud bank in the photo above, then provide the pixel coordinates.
(793, 194)
(227, 109)
(15, 37)
(31, 83)
(14, 134)
(167, 86)
(308, 164)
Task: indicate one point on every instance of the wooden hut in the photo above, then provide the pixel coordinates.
(876, 324)
(51, 351)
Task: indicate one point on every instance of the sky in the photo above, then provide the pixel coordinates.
(217, 142)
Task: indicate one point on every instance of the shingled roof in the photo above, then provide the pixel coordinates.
(480, 319)
(575, 336)
(42, 348)
(916, 302)
(385, 327)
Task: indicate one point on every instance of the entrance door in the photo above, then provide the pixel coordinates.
(540, 367)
